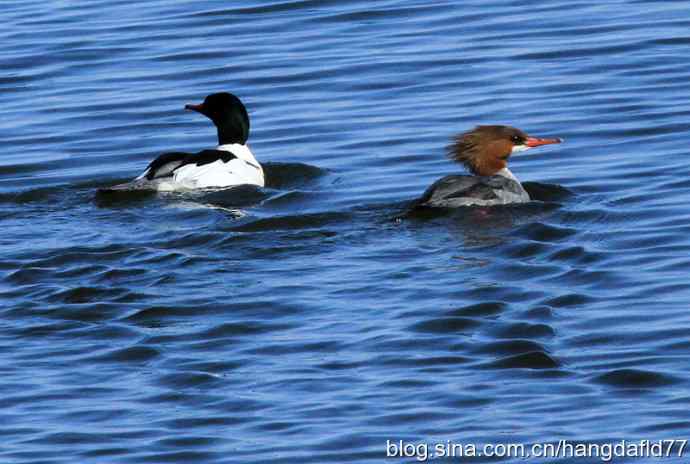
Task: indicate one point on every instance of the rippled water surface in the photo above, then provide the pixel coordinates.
(304, 323)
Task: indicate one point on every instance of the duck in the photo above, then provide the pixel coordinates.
(231, 163)
(484, 151)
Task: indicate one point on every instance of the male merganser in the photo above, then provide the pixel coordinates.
(231, 163)
(484, 151)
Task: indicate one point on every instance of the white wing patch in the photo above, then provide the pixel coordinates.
(218, 174)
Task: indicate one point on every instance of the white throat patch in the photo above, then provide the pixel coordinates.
(519, 148)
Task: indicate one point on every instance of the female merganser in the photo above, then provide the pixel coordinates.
(231, 163)
(484, 151)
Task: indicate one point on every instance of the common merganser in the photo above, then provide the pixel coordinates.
(484, 151)
(231, 163)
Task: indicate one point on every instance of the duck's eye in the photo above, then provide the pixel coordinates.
(516, 139)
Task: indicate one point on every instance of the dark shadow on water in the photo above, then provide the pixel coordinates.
(547, 193)
(634, 379)
(283, 176)
(240, 196)
(106, 198)
(29, 196)
(315, 221)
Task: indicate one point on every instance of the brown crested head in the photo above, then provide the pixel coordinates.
(485, 150)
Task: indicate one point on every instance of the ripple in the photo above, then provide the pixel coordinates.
(507, 347)
(545, 232)
(487, 309)
(530, 360)
(183, 380)
(634, 379)
(445, 325)
(135, 354)
(523, 330)
(303, 221)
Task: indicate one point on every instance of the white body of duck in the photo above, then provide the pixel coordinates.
(234, 165)
(230, 164)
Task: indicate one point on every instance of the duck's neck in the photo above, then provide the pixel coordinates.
(230, 135)
(505, 172)
(521, 192)
(232, 128)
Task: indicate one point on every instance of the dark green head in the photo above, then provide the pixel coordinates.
(228, 114)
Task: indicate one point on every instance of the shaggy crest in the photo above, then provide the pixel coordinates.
(485, 150)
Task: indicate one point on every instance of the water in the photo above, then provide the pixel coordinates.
(303, 323)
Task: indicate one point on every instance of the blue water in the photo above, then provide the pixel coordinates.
(303, 323)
